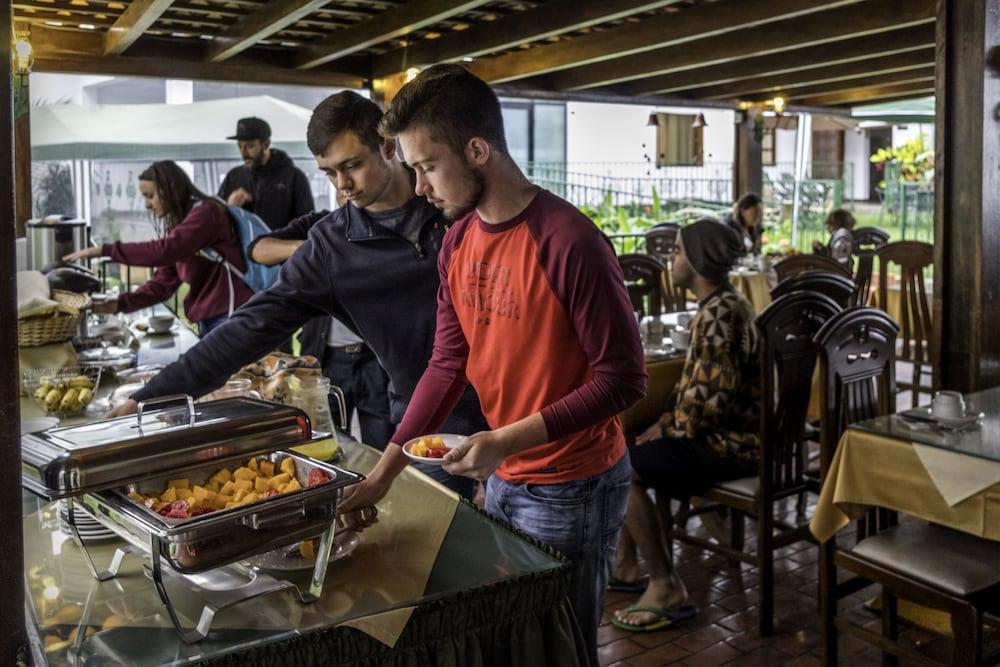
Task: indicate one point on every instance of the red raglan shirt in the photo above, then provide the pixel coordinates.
(535, 314)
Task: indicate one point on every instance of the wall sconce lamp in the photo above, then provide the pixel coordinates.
(779, 105)
(653, 120)
(699, 121)
(24, 54)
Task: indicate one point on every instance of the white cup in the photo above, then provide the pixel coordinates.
(681, 338)
(684, 320)
(948, 405)
(161, 323)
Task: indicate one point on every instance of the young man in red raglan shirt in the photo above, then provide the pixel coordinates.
(533, 311)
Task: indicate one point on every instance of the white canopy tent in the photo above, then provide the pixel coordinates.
(161, 131)
(82, 135)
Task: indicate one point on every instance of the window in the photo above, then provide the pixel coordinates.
(677, 142)
(536, 132)
(767, 152)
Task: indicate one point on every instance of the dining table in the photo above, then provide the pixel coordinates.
(435, 580)
(920, 466)
(664, 365)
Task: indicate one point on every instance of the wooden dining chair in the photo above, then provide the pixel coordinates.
(867, 240)
(930, 565)
(788, 358)
(913, 258)
(837, 287)
(793, 264)
(643, 275)
(661, 241)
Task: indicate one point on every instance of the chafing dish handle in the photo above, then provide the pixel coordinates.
(262, 521)
(167, 399)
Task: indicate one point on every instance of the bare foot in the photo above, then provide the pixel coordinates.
(661, 594)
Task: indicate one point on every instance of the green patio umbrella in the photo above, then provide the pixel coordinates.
(920, 110)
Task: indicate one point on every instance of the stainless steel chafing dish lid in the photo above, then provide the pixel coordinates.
(90, 457)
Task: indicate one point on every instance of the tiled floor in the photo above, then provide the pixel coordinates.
(725, 630)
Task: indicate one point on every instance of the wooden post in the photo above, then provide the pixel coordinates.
(748, 167)
(967, 208)
(13, 639)
(22, 152)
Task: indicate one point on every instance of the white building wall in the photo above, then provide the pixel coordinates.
(784, 150)
(903, 133)
(856, 153)
(618, 132)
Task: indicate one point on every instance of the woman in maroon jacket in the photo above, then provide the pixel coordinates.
(193, 222)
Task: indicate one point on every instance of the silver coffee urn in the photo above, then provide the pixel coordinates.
(53, 237)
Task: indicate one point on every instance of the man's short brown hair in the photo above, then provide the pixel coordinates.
(344, 112)
(453, 104)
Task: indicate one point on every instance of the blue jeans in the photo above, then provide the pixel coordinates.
(205, 326)
(582, 519)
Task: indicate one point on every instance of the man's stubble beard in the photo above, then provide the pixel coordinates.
(478, 190)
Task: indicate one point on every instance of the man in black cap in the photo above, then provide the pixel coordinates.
(708, 433)
(268, 183)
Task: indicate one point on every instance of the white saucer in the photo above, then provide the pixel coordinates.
(450, 441)
(38, 424)
(925, 414)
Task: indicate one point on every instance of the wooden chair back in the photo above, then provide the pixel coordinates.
(643, 276)
(913, 257)
(867, 240)
(793, 264)
(837, 287)
(857, 362)
(788, 359)
(661, 241)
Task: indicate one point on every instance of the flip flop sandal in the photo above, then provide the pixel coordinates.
(665, 618)
(622, 586)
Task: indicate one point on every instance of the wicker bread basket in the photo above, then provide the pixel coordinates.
(54, 327)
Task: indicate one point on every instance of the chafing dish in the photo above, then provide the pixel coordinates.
(94, 466)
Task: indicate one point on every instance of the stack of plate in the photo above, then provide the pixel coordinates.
(89, 528)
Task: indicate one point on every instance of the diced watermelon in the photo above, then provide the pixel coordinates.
(317, 476)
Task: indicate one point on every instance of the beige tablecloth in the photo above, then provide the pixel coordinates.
(871, 470)
(754, 286)
(663, 376)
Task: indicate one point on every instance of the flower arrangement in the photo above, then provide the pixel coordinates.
(914, 161)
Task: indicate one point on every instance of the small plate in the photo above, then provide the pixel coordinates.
(925, 415)
(38, 424)
(174, 328)
(344, 544)
(450, 441)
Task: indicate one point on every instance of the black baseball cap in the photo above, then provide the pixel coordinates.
(248, 129)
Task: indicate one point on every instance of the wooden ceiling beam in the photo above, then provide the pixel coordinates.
(921, 75)
(892, 92)
(858, 19)
(925, 73)
(553, 18)
(46, 41)
(777, 84)
(161, 67)
(134, 21)
(831, 53)
(271, 19)
(710, 19)
(391, 24)
(82, 53)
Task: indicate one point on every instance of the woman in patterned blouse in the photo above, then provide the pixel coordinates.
(709, 430)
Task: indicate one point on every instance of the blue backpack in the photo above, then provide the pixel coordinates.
(258, 277)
